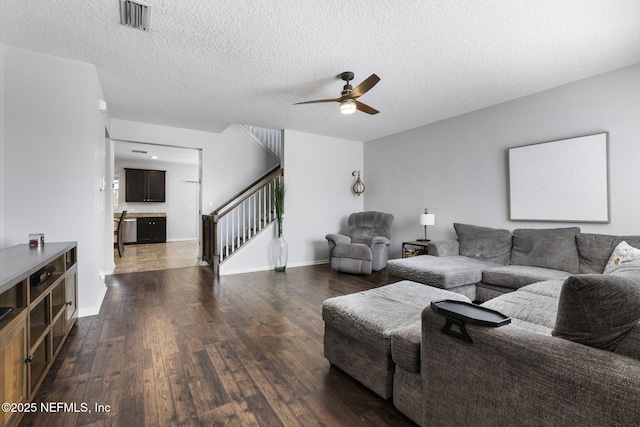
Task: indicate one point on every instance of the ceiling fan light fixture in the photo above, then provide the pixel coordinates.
(348, 106)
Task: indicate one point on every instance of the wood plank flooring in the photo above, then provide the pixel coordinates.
(180, 347)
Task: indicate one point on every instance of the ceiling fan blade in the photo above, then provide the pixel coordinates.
(364, 87)
(365, 108)
(319, 101)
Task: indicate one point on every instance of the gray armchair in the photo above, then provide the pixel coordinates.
(364, 246)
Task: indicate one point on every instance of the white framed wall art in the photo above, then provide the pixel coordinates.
(565, 180)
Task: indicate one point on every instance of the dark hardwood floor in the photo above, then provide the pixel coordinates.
(180, 347)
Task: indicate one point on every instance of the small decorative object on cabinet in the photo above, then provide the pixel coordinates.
(42, 312)
(279, 246)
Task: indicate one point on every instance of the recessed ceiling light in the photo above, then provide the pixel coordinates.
(154, 157)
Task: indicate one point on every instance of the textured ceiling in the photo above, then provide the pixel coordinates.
(206, 64)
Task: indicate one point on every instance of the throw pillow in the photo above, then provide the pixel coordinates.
(484, 243)
(595, 250)
(599, 310)
(621, 254)
(553, 248)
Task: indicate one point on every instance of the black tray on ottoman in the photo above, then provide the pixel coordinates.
(458, 313)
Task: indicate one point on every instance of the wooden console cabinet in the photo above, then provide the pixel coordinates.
(41, 286)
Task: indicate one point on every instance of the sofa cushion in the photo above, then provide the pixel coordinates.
(526, 306)
(550, 288)
(484, 243)
(531, 327)
(444, 248)
(441, 272)
(553, 248)
(517, 276)
(595, 249)
(621, 254)
(599, 309)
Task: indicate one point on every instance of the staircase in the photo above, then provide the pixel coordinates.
(237, 221)
(271, 139)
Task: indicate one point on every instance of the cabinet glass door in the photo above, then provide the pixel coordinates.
(70, 296)
(13, 348)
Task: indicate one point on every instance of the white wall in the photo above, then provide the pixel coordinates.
(54, 135)
(318, 201)
(2, 146)
(231, 160)
(458, 167)
(181, 204)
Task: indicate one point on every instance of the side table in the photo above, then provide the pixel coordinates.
(414, 247)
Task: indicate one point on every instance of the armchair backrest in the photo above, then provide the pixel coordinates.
(364, 226)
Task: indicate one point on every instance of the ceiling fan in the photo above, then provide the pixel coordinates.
(348, 101)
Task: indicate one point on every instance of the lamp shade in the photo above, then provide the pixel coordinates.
(427, 219)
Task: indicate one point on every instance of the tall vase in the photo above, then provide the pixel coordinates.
(279, 250)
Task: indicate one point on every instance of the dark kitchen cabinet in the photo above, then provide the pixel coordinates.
(144, 185)
(152, 230)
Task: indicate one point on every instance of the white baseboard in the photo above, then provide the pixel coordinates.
(182, 239)
(269, 267)
(95, 310)
(111, 270)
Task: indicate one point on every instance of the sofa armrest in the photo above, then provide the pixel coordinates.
(338, 239)
(444, 248)
(510, 373)
(380, 240)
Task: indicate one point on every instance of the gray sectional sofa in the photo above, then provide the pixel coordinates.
(570, 356)
(486, 262)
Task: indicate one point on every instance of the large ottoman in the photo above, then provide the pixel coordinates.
(358, 328)
(455, 273)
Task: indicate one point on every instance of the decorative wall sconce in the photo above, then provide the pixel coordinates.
(358, 187)
(426, 219)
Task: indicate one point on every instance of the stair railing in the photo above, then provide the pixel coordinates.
(271, 139)
(239, 219)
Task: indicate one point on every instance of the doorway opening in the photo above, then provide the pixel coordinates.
(181, 209)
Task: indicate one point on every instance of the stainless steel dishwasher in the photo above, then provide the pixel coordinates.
(130, 232)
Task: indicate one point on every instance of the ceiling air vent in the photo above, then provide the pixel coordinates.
(135, 14)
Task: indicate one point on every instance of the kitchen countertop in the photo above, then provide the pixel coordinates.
(116, 216)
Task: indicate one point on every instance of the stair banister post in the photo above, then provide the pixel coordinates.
(214, 238)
